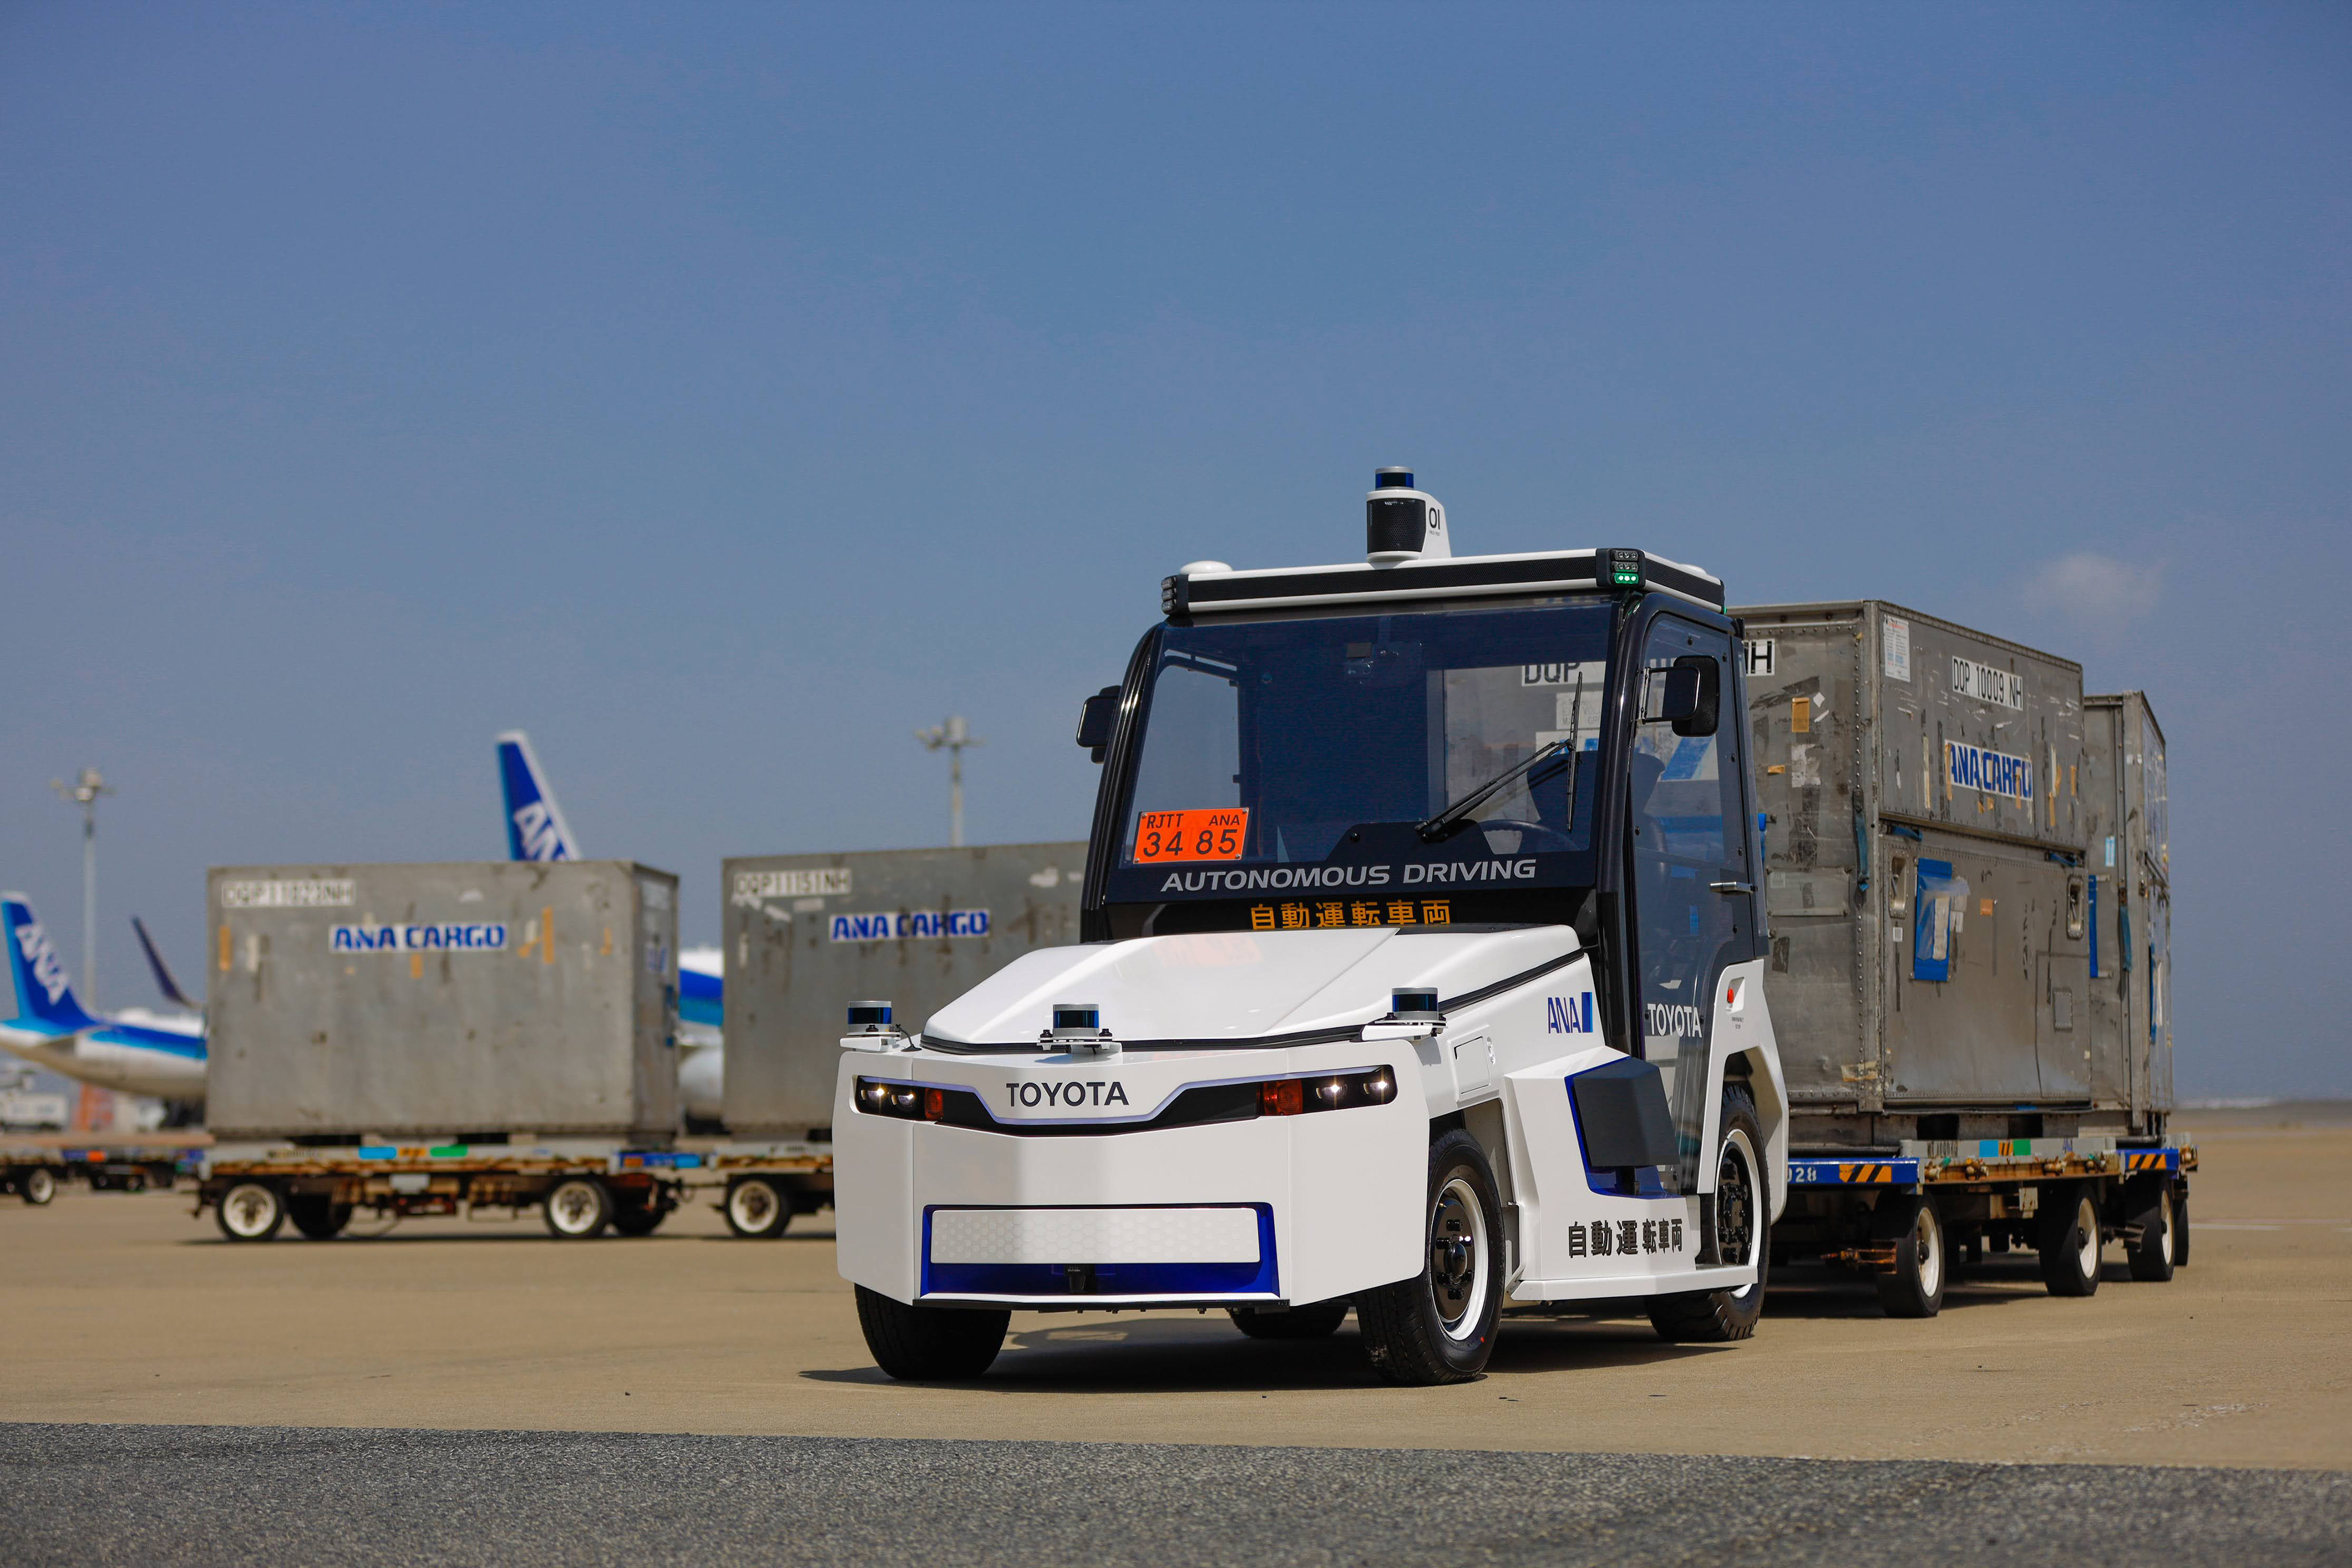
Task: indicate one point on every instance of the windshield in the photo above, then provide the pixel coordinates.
(1361, 755)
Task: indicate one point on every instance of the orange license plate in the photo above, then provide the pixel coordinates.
(1161, 836)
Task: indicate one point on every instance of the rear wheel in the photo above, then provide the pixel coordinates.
(756, 1207)
(250, 1211)
(1439, 1325)
(2148, 1212)
(2070, 1239)
(926, 1343)
(2180, 1224)
(317, 1215)
(578, 1209)
(1916, 1288)
(38, 1185)
(1318, 1320)
(1735, 1226)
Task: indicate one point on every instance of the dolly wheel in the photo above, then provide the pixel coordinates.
(756, 1207)
(38, 1185)
(1916, 1288)
(2070, 1239)
(2149, 1228)
(250, 1211)
(578, 1207)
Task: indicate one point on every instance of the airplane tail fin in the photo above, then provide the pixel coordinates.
(44, 995)
(536, 830)
(163, 981)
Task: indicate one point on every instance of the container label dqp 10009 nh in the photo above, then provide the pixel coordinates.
(1988, 684)
(418, 938)
(1993, 772)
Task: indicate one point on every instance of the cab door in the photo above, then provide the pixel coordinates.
(1688, 850)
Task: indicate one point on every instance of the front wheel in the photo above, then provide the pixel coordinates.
(1439, 1325)
(1735, 1226)
(38, 1185)
(920, 1344)
(250, 1211)
(2070, 1239)
(578, 1209)
(1319, 1320)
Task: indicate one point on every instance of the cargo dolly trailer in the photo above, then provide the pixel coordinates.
(441, 1037)
(34, 1172)
(579, 1187)
(803, 933)
(1420, 971)
(1966, 877)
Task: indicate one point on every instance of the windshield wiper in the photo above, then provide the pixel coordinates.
(1436, 827)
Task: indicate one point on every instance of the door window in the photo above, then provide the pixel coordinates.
(1692, 908)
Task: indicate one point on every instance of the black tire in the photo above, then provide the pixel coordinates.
(926, 1345)
(2180, 1223)
(317, 1215)
(250, 1211)
(1318, 1319)
(1439, 1325)
(577, 1208)
(38, 1185)
(757, 1207)
(2148, 1227)
(640, 1219)
(2070, 1239)
(1922, 1261)
(1735, 1220)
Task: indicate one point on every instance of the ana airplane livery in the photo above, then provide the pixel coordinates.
(134, 1051)
(536, 831)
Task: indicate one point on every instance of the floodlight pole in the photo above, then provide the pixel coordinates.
(952, 737)
(84, 792)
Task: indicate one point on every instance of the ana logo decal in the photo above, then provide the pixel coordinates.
(1064, 1092)
(1569, 1014)
(540, 840)
(42, 959)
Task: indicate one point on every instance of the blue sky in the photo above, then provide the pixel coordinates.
(722, 396)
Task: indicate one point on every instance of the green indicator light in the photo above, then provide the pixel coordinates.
(448, 1152)
(1625, 579)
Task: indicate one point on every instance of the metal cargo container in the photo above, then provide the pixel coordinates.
(807, 934)
(2130, 899)
(1925, 816)
(461, 1000)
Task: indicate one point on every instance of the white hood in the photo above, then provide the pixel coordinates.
(1237, 985)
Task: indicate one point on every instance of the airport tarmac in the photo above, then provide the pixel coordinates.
(129, 1311)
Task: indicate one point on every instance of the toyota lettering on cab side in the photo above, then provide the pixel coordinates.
(1419, 934)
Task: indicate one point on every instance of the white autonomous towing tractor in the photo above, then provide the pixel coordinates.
(1420, 972)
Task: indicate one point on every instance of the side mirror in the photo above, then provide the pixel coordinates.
(1096, 718)
(1687, 694)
